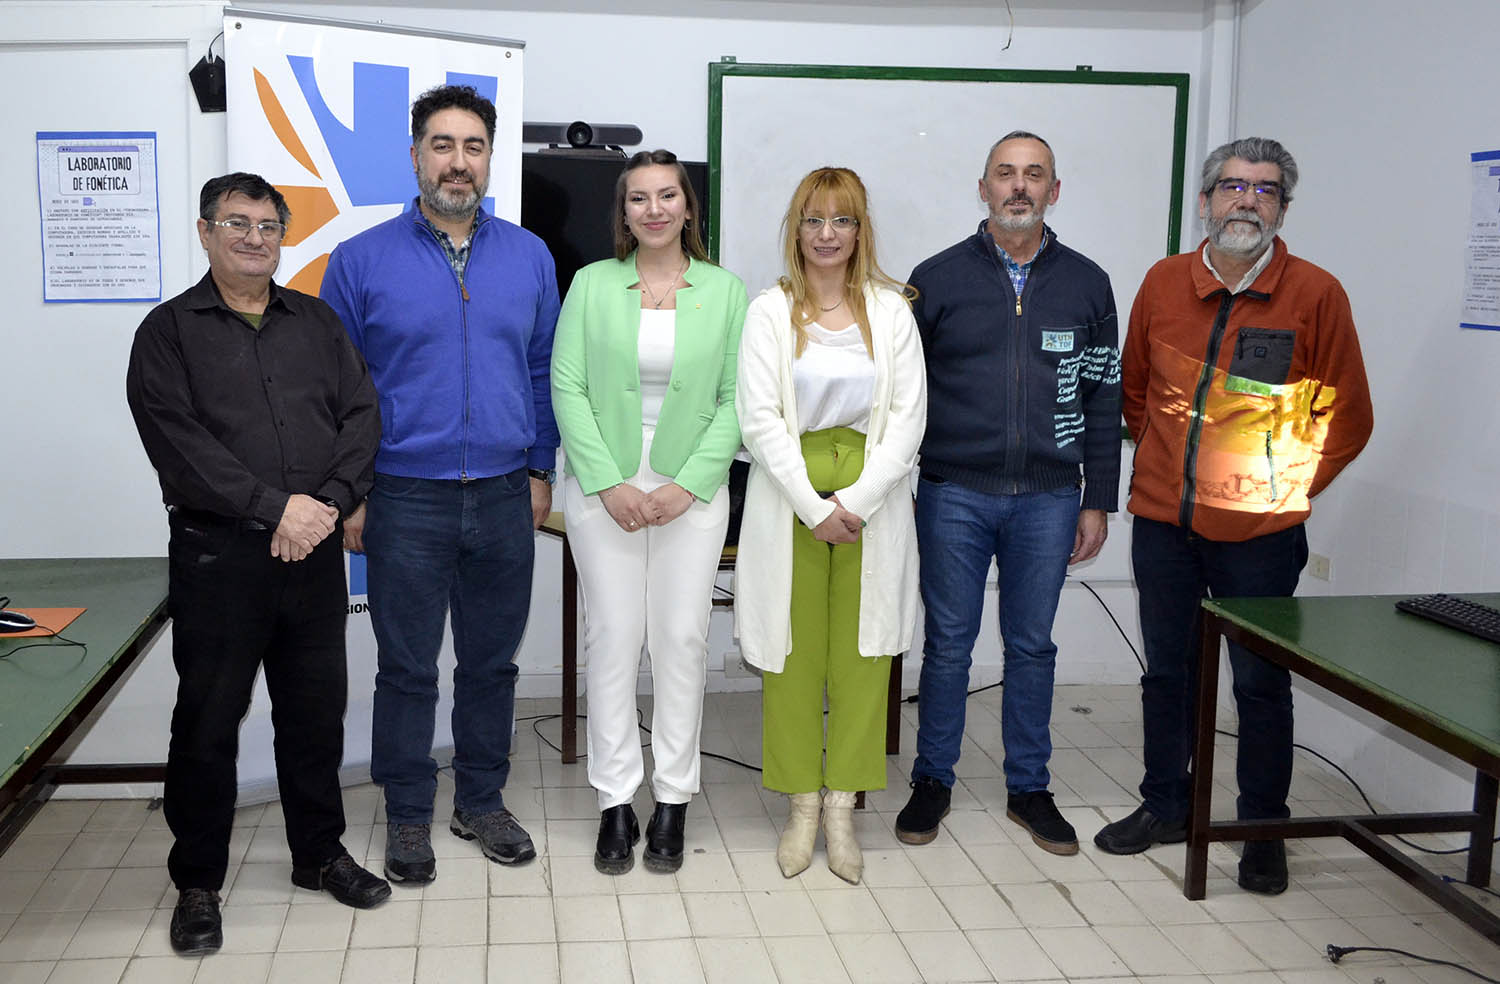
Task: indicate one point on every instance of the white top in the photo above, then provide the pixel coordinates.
(654, 356)
(835, 380)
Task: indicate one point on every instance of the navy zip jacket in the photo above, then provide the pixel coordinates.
(1021, 392)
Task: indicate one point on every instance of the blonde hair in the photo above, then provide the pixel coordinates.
(847, 196)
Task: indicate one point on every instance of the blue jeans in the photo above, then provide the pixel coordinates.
(1030, 535)
(1174, 570)
(435, 545)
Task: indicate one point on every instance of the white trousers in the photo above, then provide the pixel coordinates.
(654, 588)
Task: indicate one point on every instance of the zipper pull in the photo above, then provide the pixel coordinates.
(1018, 305)
(463, 288)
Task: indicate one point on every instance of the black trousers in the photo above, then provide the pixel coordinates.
(234, 609)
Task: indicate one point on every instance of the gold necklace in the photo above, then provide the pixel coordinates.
(657, 303)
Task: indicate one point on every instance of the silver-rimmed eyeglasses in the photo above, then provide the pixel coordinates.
(840, 223)
(1265, 191)
(270, 230)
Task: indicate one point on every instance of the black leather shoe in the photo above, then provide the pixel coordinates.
(1139, 831)
(346, 881)
(618, 832)
(196, 926)
(1263, 867)
(664, 837)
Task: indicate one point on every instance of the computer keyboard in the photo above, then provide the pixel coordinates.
(1459, 613)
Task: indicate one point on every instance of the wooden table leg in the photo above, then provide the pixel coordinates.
(1482, 840)
(1195, 871)
(893, 709)
(569, 655)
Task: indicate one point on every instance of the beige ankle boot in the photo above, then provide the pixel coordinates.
(844, 857)
(795, 851)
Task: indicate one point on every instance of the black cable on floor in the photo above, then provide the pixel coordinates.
(1368, 805)
(1337, 953)
(1102, 604)
(536, 727)
(1455, 881)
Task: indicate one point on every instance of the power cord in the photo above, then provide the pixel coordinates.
(640, 722)
(53, 639)
(1337, 953)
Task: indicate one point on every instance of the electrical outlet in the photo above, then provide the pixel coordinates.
(735, 666)
(1320, 567)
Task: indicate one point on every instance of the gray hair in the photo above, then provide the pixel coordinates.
(1254, 150)
(1018, 135)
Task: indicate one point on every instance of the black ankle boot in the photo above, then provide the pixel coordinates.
(664, 837)
(618, 832)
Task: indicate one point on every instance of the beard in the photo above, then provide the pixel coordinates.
(451, 204)
(1017, 223)
(1235, 239)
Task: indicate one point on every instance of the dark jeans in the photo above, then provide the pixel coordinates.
(1030, 535)
(235, 608)
(435, 545)
(1174, 570)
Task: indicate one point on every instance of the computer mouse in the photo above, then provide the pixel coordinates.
(15, 622)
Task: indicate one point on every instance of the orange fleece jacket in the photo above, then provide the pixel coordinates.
(1243, 406)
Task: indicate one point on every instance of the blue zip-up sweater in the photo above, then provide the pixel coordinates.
(1021, 392)
(462, 367)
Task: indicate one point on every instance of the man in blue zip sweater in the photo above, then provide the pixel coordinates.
(454, 311)
(1023, 390)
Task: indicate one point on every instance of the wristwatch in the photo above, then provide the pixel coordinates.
(548, 475)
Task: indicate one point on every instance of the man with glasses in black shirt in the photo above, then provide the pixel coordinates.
(262, 423)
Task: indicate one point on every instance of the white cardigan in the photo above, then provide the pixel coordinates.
(778, 486)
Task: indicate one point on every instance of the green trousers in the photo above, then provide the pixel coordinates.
(825, 653)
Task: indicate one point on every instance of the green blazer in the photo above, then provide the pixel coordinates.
(596, 380)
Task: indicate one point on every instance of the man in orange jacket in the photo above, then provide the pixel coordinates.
(1245, 391)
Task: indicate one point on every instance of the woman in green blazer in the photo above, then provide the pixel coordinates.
(643, 372)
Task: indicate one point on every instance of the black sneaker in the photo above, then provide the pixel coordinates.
(1038, 814)
(918, 821)
(196, 926)
(500, 837)
(1263, 867)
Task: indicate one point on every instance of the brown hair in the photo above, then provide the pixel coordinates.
(847, 194)
(692, 241)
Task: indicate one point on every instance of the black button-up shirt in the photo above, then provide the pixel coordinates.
(237, 419)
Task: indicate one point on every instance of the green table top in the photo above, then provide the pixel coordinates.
(1446, 677)
(39, 687)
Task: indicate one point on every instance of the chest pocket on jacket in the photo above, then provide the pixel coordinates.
(1263, 354)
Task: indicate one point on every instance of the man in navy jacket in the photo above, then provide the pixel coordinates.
(1023, 392)
(454, 311)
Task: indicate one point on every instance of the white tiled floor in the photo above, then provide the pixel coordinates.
(84, 893)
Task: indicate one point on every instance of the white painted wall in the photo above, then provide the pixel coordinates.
(1382, 111)
(584, 60)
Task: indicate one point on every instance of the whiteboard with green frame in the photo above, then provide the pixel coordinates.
(918, 138)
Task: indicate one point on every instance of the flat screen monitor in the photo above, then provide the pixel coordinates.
(566, 200)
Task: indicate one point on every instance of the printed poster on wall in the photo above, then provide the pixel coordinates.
(1481, 304)
(101, 230)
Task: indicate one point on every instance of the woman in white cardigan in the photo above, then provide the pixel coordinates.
(832, 403)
